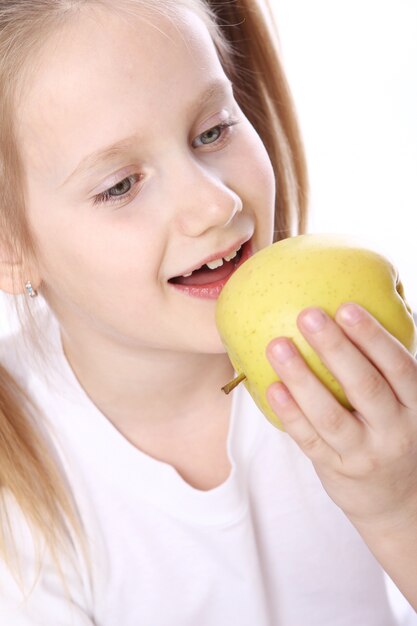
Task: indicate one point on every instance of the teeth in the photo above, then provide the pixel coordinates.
(214, 264)
(231, 256)
(218, 262)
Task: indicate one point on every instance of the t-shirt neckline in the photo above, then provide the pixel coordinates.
(108, 455)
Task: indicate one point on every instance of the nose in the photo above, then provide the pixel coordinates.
(202, 200)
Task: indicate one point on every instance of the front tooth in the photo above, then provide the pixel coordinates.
(187, 275)
(231, 256)
(214, 264)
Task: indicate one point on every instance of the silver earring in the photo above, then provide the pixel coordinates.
(31, 291)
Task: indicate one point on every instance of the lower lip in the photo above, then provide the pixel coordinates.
(211, 291)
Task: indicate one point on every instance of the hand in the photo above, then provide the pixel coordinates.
(365, 459)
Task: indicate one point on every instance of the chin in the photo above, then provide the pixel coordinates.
(210, 343)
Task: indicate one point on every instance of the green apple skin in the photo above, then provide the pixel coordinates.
(262, 299)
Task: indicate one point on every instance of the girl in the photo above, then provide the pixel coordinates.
(140, 141)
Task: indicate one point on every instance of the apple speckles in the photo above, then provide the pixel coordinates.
(264, 296)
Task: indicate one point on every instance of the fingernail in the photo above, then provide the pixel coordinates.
(314, 320)
(350, 314)
(283, 351)
(281, 395)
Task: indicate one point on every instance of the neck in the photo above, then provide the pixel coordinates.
(149, 389)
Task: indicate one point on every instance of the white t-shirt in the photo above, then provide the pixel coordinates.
(268, 547)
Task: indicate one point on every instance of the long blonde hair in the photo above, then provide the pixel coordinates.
(248, 50)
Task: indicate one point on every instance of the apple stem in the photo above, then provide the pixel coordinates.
(233, 383)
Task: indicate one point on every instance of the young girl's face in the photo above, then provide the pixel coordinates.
(181, 188)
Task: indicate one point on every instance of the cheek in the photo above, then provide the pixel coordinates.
(254, 180)
(254, 168)
(107, 272)
(94, 246)
(85, 247)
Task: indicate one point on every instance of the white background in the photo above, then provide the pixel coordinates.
(352, 67)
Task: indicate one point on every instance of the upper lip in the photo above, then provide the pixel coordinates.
(216, 255)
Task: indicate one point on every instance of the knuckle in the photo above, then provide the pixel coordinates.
(332, 420)
(334, 342)
(311, 444)
(405, 367)
(369, 466)
(372, 385)
(406, 445)
(363, 466)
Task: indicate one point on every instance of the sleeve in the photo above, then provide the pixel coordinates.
(38, 597)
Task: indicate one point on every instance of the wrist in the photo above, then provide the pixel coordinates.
(400, 519)
(393, 541)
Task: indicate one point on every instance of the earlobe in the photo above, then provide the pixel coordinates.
(30, 290)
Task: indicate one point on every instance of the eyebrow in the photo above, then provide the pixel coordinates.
(215, 89)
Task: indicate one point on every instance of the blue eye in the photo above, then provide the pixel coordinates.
(218, 132)
(121, 191)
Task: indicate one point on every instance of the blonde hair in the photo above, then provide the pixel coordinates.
(248, 50)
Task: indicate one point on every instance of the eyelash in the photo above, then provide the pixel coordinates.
(106, 197)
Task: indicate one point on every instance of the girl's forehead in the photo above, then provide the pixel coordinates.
(113, 76)
(89, 47)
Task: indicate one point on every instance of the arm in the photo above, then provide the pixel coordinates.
(366, 459)
(395, 547)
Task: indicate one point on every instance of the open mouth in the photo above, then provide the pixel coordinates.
(206, 275)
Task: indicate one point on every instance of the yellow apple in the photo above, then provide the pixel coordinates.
(263, 297)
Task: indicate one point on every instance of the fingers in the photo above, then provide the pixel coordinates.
(397, 365)
(298, 426)
(367, 389)
(365, 458)
(314, 412)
